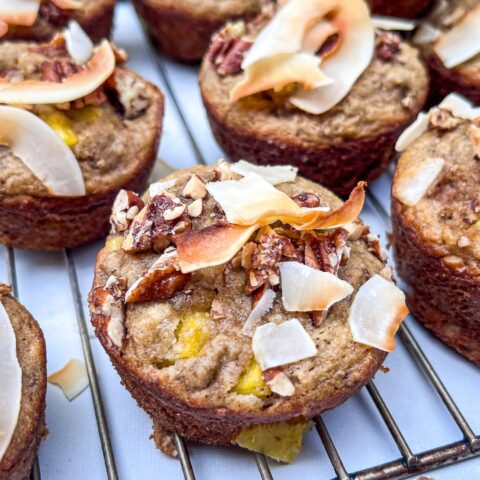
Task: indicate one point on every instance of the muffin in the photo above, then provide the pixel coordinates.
(235, 310)
(182, 29)
(436, 219)
(338, 122)
(73, 136)
(400, 8)
(43, 19)
(450, 43)
(24, 383)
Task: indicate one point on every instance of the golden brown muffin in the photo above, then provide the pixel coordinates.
(464, 78)
(436, 218)
(182, 29)
(113, 133)
(95, 17)
(181, 336)
(30, 430)
(349, 142)
(400, 8)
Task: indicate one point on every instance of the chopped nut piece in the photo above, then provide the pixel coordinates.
(453, 262)
(125, 208)
(174, 213)
(324, 251)
(195, 188)
(216, 310)
(463, 242)
(375, 247)
(131, 96)
(279, 382)
(307, 199)
(388, 45)
(443, 119)
(195, 208)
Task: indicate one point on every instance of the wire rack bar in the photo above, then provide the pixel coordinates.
(331, 450)
(35, 474)
(184, 458)
(263, 467)
(91, 370)
(392, 426)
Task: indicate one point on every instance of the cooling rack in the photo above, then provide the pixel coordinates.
(422, 415)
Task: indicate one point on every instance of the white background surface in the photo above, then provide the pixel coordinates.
(72, 450)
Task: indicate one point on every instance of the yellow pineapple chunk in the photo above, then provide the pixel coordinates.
(85, 114)
(114, 243)
(281, 441)
(60, 123)
(191, 333)
(252, 382)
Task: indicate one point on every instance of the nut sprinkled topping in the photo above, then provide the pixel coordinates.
(195, 208)
(195, 188)
(443, 119)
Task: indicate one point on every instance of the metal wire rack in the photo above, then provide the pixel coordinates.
(409, 462)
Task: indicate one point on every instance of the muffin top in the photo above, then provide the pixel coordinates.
(106, 129)
(441, 169)
(390, 90)
(444, 20)
(195, 322)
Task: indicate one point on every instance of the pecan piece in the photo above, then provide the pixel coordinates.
(58, 70)
(443, 120)
(161, 281)
(325, 251)
(387, 46)
(307, 199)
(125, 208)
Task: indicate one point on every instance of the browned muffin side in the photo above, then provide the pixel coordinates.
(95, 17)
(400, 8)
(117, 141)
(436, 240)
(182, 29)
(197, 395)
(464, 78)
(30, 430)
(352, 141)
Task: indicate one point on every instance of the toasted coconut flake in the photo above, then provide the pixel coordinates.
(462, 42)
(78, 43)
(211, 246)
(69, 4)
(376, 313)
(274, 345)
(72, 378)
(42, 151)
(460, 107)
(280, 384)
(95, 73)
(19, 12)
(273, 174)
(306, 289)
(159, 187)
(392, 23)
(263, 306)
(412, 184)
(10, 381)
(348, 62)
(425, 34)
(412, 132)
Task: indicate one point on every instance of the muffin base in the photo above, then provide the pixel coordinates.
(97, 23)
(400, 8)
(445, 81)
(18, 459)
(445, 302)
(337, 168)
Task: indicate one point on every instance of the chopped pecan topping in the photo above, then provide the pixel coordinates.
(387, 46)
(53, 14)
(131, 96)
(442, 119)
(126, 207)
(325, 251)
(216, 310)
(154, 226)
(97, 97)
(162, 280)
(195, 208)
(54, 49)
(108, 303)
(265, 258)
(194, 188)
(307, 199)
(58, 70)
(375, 247)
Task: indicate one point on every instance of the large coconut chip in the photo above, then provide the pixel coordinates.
(10, 381)
(462, 42)
(412, 184)
(376, 313)
(69, 4)
(392, 23)
(306, 289)
(19, 12)
(42, 151)
(274, 345)
(72, 378)
(357, 37)
(95, 73)
(263, 306)
(274, 174)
